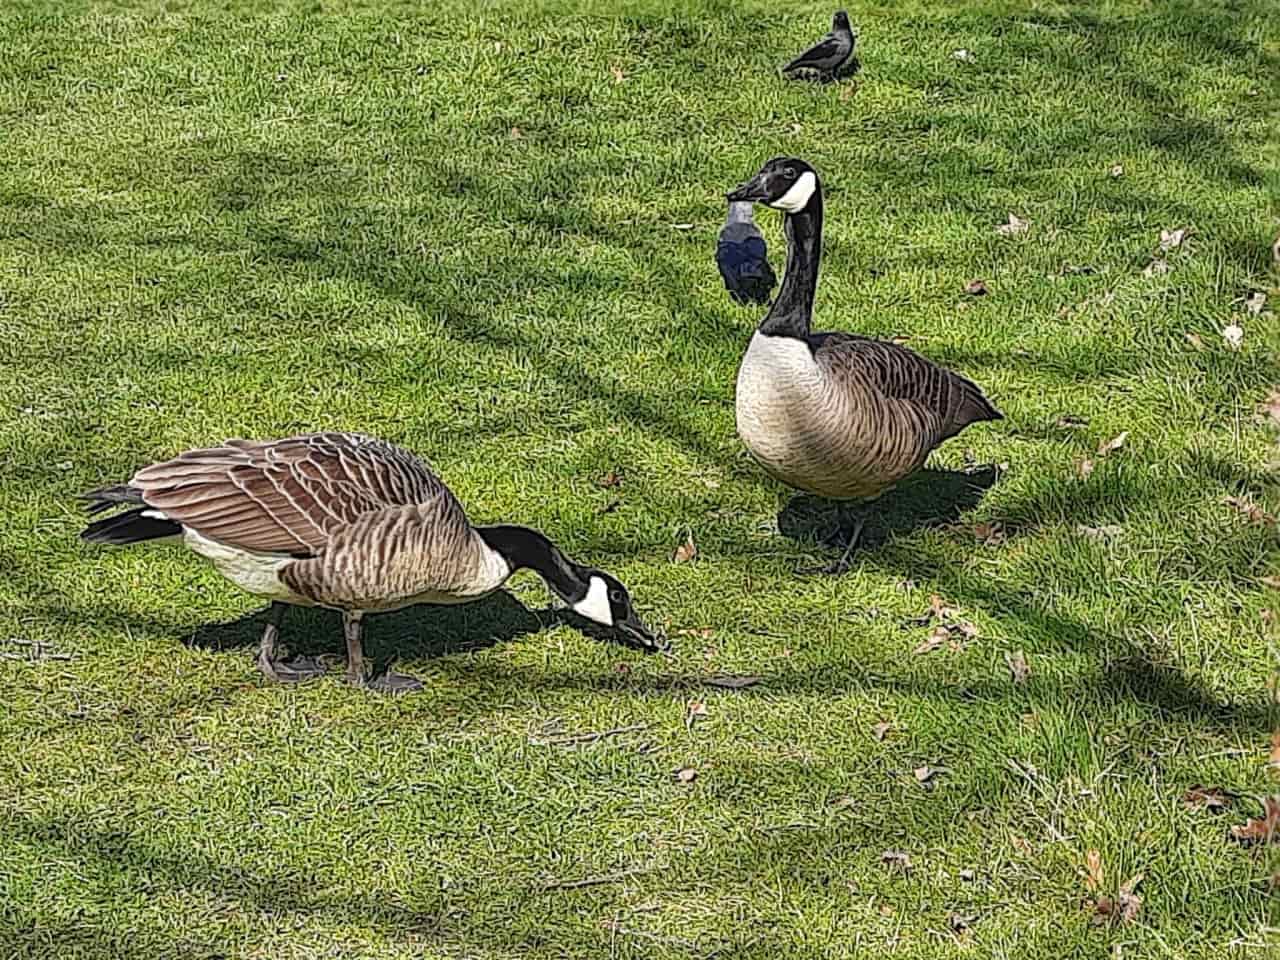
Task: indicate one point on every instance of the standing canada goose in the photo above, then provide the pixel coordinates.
(348, 522)
(829, 58)
(839, 415)
(743, 258)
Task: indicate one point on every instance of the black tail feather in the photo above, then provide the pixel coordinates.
(128, 527)
(104, 498)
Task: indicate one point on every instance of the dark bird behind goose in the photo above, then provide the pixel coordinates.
(743, 258)
(830, 58)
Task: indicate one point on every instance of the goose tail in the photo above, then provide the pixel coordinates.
(131, 526)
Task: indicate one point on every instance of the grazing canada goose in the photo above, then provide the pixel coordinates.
(829, 58)
(348, 522)
(743, 258)
(839, 415)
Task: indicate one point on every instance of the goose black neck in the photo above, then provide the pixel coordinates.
(793, 310)
(525, 549)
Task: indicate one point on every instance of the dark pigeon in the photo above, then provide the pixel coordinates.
(743, 259)
(829, 58)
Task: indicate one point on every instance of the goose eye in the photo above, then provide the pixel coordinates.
(791, 173)
(615, 596)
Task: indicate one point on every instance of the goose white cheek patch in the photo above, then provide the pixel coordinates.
(795, 199)
(595, 605)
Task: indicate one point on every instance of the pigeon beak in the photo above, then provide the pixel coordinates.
(751, 191)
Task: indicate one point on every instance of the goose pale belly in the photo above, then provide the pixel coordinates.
(810, 434)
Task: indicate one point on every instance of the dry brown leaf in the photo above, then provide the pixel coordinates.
(616, 72)
(1156, 267)
(1255, 302)
(1233, 336)
(1022, 845)
(696, 709)
(1019, 669)
(1069, 421)
(939, 608)
(1274, 759)
(1195, 340)
(848, 91)
(1172, 239)
(844, 802)
(686, 551)
(1264, 829)
(976, 288)
(937, 637)
(1014, 227)
(990, 533)
(1093, 875)
(1109, 447)
(1212, 799)
(1123, 908)
(611, 479)
(1272, 582)
(1253, 513)
(517, 133)
(732, 683)
(881, 730)
(1084, 467)
(685, 775)
(1275, 251)
(896, 859)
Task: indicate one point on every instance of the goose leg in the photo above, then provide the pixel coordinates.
(850, 519)
(293, 670)
(358, 674)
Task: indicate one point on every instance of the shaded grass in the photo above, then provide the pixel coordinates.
(220, 221)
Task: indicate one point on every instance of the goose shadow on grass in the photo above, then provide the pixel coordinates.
(930, 498)
(415, 633)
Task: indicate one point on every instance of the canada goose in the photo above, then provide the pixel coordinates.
(839, 415)
(348, 522)
(743, 258)
(830, 57)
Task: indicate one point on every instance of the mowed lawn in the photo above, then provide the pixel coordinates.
(487, 236)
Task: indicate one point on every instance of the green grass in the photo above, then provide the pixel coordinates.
(216, 222)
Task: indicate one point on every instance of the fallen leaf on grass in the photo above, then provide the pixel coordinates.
(1156, 267)
(1233, 336)
(686, 551)
(1015, 226)
(1264, 829)
(1093, 875)
(1172, 239)
(1107, 531)
(517, 133)
(1019, 669)
(727, 682)
(693, 712)
(1274, 760)
(1275, 251)
(1069, 421)
(1255, 302)
(1212, 799)
(896, 859)
(1109, 447)
(1250, 511)
(611, 479)
(1084, 467)
(1022, 845)
(990, 533)
(924, 775)
(936, 639)
(881, 730)
(1272, 582)
(1195, 340)
(848, 92)
(617, 74)
(685, 775)
(976, 288)
(1123, 908)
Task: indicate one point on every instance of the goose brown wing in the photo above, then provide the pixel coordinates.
(937, 394)
(286, 496)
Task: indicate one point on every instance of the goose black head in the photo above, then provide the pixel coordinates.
(607, 602)
(840, 23)
(784, 183)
